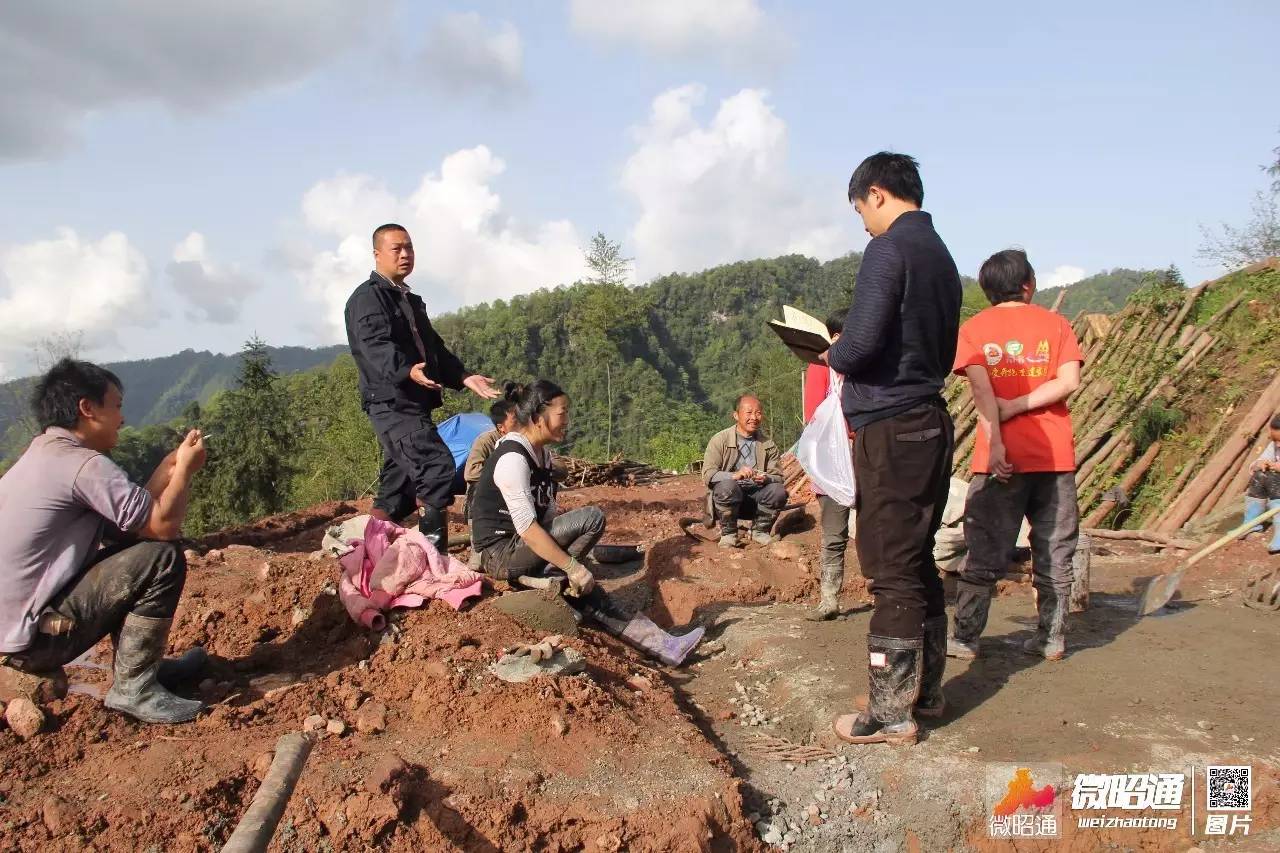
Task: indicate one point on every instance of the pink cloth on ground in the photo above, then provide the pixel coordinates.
(395, 567)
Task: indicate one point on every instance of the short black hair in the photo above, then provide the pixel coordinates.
(498, 411)
(1003, 275)
(57, 395)
(835, 320)
(896, 174)
(383, 229)
(530, 401)
(1275, 422)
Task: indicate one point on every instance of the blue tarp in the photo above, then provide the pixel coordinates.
(459, 433)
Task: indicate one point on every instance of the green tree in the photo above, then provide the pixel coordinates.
(607, 264)
(251, 451)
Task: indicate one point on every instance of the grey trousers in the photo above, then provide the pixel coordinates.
(834, 519)
(993, 514)
(145, 578)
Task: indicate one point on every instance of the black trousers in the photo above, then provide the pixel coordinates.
(416, 464)
(145, 578)
(902, 465)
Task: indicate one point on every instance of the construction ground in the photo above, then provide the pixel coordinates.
(424, 749)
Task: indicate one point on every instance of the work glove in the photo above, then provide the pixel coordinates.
(539, 652)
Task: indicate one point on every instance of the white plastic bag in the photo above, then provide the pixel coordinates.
(823, 449)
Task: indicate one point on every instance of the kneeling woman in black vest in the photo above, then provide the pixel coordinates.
(516, 526)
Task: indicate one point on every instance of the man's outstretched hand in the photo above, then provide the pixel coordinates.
(418, 373)
(481, 386)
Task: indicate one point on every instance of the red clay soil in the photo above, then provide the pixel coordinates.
(462, 761)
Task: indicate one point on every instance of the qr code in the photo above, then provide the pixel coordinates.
(1229, 788)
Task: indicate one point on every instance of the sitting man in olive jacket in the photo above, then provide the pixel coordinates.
(743, 476)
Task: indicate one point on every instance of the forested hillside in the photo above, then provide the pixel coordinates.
(651, 371)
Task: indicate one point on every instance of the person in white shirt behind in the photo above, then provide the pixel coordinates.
(520, 532)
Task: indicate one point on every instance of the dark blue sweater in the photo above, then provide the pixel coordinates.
(899, 339)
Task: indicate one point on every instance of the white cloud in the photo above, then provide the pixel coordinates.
(1058, 277)
(464, 53)
(62, 60)
(731, 29)
(70, 286)
(217, 292)
(722, 191)
(468, 248)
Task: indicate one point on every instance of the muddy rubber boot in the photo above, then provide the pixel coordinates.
(135, 691)
(894, 675)
(931, 702)
(973, 601)
(1050, 640)
(434, 525)
(645, 635)
(185, 667)
(830, 582)
(727, 518)
(762, 527)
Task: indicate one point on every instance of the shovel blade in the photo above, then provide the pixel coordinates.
(1159, 591)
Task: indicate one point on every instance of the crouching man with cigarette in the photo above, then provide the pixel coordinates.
(61, 591)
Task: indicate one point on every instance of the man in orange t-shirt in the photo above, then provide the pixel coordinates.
(1022, 362)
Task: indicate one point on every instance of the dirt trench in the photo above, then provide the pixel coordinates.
(435, 753)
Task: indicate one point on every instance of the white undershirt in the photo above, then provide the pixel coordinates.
(511, 475)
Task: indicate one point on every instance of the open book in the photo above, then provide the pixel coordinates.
(804, 335)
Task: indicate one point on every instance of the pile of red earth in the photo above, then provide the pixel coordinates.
(419, 746)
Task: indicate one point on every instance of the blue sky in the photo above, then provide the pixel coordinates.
(183, 175)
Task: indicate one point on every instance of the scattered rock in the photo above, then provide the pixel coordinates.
(214, 556)
(789, 551)
(609, 843)
(535, 611)
(1205, 725)
(639, 683)
(261, 764)
(299, 616)
(24, 717)
(264, 570)
(372, 717)
(39, 689)
(189, 555)
(386, 771)
(815, 820)
(974, 749)
(558, 725)
(772, 837)
(58, 815)
(313, 723)
(336, 727)
(517, 669)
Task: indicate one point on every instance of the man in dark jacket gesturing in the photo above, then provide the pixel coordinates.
(896, 350)
(403, 365)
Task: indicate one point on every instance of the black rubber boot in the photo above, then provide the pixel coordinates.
(1050, 640)
(762, 526)
(931, 702)
(185, 667)
(727, 519)
(434, 525)
(973, 601)
(140, 647)
(894, 676)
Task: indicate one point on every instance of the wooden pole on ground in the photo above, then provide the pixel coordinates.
(254, 832)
